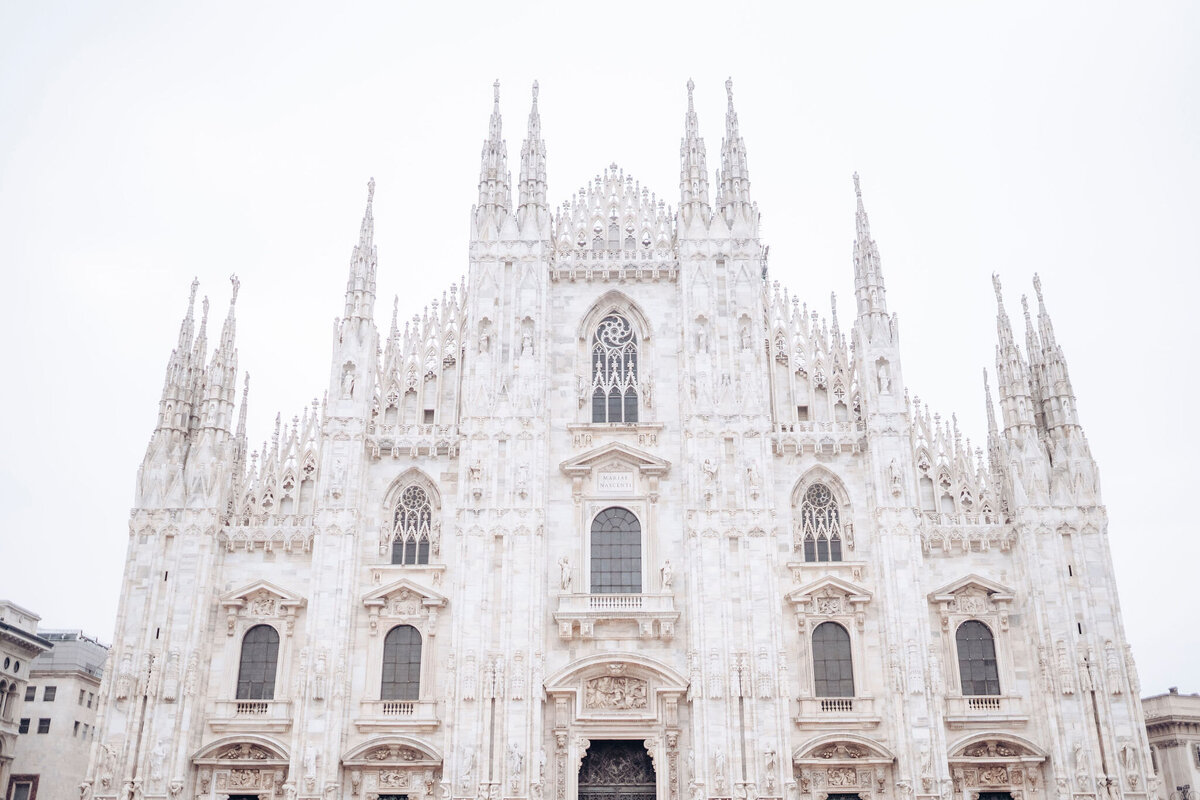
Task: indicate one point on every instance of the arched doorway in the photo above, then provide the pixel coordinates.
(616, 770)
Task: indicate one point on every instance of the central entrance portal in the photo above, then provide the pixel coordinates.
(616, 770)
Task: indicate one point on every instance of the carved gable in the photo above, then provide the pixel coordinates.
(403, 601)
(972, 596)
(615, 469)
(261, 601)
(830, 598)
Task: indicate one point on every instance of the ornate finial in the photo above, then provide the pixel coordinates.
(691, 87)
(729, 90)
(1037, 287)
(496, 92)
(1025, 306)
(996, 286)
(535, 92)
(236, 284)
(371, 190)
(192, 296)
(204, 309)
(857, 188)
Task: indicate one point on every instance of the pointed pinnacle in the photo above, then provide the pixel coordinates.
(857, 188)
(729, 92)
(236, 285)
(999, 296)
(535, 92)
(691, 87)
(1037, 287)
(496, 94)
(192, 295)
(370, 191)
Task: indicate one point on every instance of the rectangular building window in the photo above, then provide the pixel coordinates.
(24, 726)
(91, 697)
(82, 694)
(49, 693)
(44, 725)
(75, 732)
(22, 790)
(30, 694)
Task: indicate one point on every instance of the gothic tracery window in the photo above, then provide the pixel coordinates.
(833, 672)
(614, 371)
(977, 659)
(256, 672)
(820, 525)
(616, 552)
(401, 664)
(412, 523)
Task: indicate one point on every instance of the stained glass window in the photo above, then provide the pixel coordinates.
(820, 525)
(414, 517)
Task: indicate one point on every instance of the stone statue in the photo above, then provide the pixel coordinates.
(564, 574)
(668, 575)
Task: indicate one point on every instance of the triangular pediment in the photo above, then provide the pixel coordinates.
(615, 453)
(262, 592)
(972, 584)
(402, 592)
(830, 586)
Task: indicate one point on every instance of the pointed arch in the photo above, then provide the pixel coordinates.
(614, 302)
(412, 506)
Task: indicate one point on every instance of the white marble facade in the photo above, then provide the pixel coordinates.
(472, 430)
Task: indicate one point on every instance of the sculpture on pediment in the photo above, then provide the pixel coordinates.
(615, 693)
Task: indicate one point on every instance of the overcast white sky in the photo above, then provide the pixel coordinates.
(142, 144)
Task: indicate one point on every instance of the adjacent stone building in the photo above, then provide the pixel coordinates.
(58, 718)
(619, 517)
(1173, 725)
(19, 646)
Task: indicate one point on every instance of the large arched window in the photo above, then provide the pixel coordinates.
(401, 664)
(833, 674)
(616, 552)
(820, 525)
(614, 371)
(410, 536)
(260, 656)
(977, 659)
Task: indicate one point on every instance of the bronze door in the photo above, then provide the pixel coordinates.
(616, 770)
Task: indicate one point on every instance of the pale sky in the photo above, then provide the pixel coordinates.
(142, 144)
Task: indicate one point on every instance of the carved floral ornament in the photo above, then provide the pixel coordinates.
(972, 597)
(261, 602)
(841, 765)
(829, 598)
(404, 601)
(983, 765)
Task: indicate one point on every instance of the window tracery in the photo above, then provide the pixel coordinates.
(412, 526)
(614, 371)
(820, 525)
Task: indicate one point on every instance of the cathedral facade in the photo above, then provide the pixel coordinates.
(619, 519)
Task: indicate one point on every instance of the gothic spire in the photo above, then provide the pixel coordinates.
(734, 180)
(1059, 396)
(176, 393)
(1012, 374)
(360, 286)
(221, 373)
(868, 277)
(693, 172)
(532, 195)
(495, 198)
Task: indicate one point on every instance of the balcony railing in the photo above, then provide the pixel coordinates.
(266, 715)
(853, 712)
(984, 710)
(580, 614)
(383, 714)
